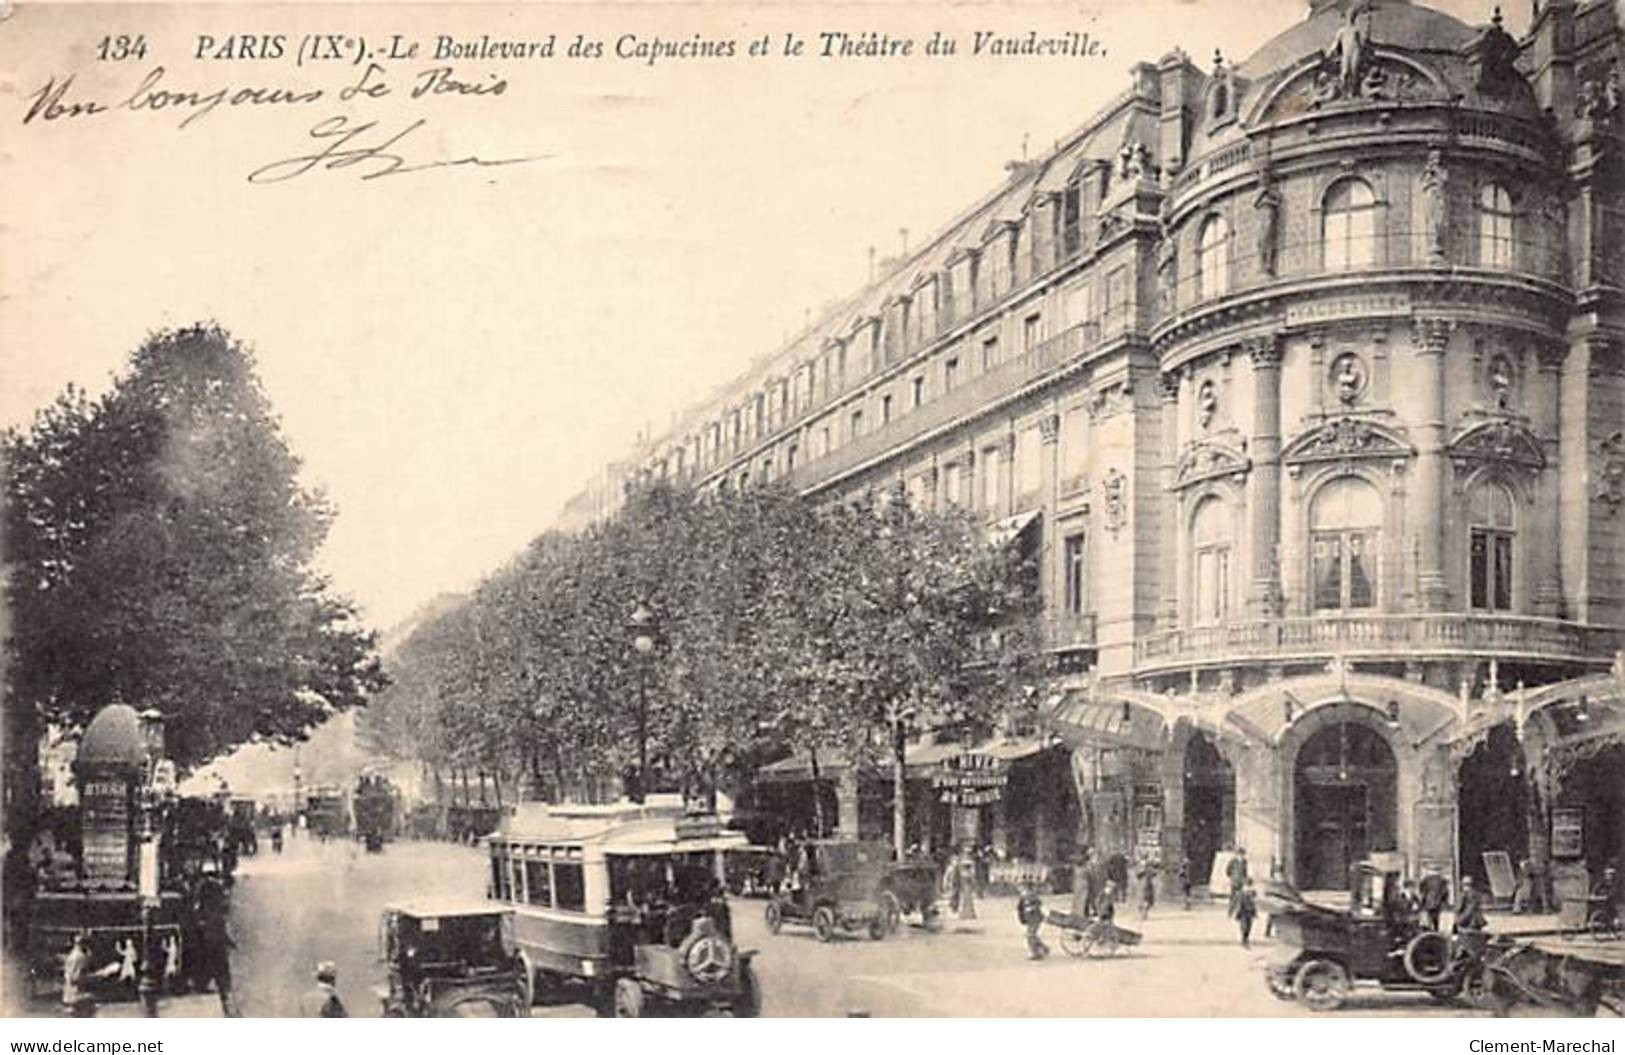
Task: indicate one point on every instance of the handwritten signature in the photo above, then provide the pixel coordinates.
(341, 150)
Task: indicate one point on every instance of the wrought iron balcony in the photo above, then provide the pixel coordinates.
(973, 395)
(1537, 257)
(1399, 635)
(1069, 630)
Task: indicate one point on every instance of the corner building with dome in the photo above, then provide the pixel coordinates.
(1303, 379)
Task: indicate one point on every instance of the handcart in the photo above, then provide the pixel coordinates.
(1085, 936)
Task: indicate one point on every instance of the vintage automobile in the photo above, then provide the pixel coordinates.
(450, 959)
(842, 885)
(625, 903)
(1322, 951)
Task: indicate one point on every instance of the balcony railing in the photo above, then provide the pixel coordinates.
(974, 394)
(1507, 635)
(1068, 630)
(1401, 251)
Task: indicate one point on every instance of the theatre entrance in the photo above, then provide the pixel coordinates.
(1345, 786)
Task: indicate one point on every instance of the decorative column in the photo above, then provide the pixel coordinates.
(1054, 583)
(1169, 386)
(1429, 339)
(1264, 482)
(1544, 543)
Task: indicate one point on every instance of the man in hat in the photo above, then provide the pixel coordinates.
(1236, 872)
(1432, 893)
(1470, 909)
(323, 1001)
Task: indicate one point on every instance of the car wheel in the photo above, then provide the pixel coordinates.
(1429, 958)
(1322, 985)
(1075, 943)
(748, 1004)
(823, 922)
(931, 919)
(1280, 983)
(628, 998)
(877, 928)
(891, 912)
(773, 916)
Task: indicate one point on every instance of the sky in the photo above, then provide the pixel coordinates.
(454, 351)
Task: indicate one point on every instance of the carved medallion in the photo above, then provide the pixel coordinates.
(1348, 378)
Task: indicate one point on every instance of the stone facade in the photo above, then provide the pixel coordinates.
(1313, 368)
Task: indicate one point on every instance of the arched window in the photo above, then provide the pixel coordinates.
(1213, 258)
(1345, 529)
(1210, 562)
(1349, 225)
(1494, 226)
(1489, 547)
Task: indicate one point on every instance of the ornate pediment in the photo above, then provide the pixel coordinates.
(1324, 83)
(1347, 438)
(1207, 459)
(1501, 441)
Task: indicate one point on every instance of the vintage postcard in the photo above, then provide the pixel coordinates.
(813, 510)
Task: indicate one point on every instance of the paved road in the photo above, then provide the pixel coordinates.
(322, 901)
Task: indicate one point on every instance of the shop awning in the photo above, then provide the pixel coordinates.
(1082, 719)
(1003, 532)
(799, 767)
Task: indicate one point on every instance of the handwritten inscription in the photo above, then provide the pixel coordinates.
(343, 143)
(344, 147)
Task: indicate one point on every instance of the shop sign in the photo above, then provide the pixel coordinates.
(971, 779)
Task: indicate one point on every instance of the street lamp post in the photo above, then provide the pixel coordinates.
(147, 862)
(643, 644)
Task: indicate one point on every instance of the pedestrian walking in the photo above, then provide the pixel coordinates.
(1182, 874)
(1246, 908)
(1434, 892)
(1470, 909)
(967, 884)
(76, 1001)
(323, 1001)
(1236, 873)
(1083, 904)
(212, 951)
(1148, 886)
(1030, 911)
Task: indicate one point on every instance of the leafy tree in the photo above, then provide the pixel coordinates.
(160, 548)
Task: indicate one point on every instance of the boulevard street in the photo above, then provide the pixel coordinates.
(320, 901)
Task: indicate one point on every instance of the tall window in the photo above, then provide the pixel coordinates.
(990, 354)
(1490, 548)
(988, 470)
(1494, 226)
(919, 391)
(885, 409)
(1213, 258)
(1349, 225)
(1345, 532)
(950, 374)
(950, 484)
(1031, 332)
(790, 453)
(1073, 556)
(1210, 561)
(857, 423)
